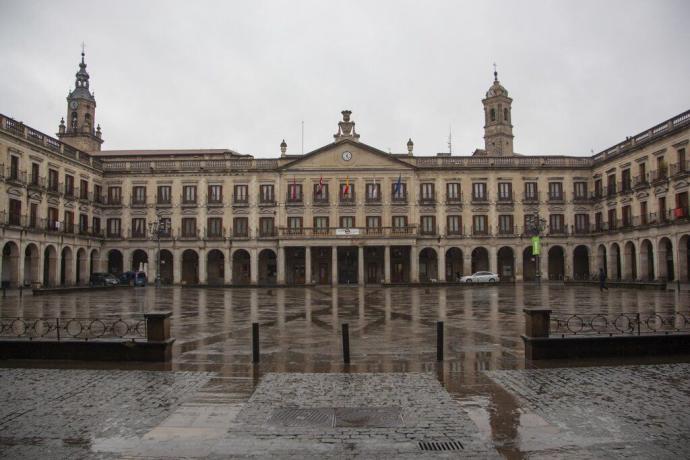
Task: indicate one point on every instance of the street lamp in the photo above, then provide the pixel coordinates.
(159, 228)
(536, 226)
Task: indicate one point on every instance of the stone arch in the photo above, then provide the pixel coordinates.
(166, 267)
(454, 264)
(190, 267)
(665, 262)
(115, 262)
(480, 259)
(94, 261)
(505, 261)
(82, 271)
(268, 267)
(629, 256)
(556, 257)
(646, 267)
(215, 267)
(683, 257)
(529, 265)
(615, 262)
(10, 264)
(602, 259)
(241, 267)
(581, 262)
(50, 268)
(140, 260)
(66, 266)
(31, 261)
(428, 265)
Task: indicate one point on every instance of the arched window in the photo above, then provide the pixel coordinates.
(493, 114)
(74, 120)
(505, 115)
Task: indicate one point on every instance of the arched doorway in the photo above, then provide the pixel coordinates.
(630, 261)
(50, 272)
(683, 257)
(215, 267)
(454, 262)
(10, 264)
(615, 268)
(94, 263)
(581, 263)
(529, 265)
(115, 263)
(505, 260)
(241, 267)
(140, 260)
(31, 270)
(428, 265)
(647, 261)
(82, 271)
(556, 263)
(295, 270)
(665, 254)
(268, 267)
(602, 259)
(480, 260)
(166, 267)
(190, 267)
(66, 266)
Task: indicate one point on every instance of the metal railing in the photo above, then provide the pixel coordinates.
(73, 328)
(622, 324)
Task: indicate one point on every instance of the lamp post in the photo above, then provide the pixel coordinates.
(536, 227)
(157, 229)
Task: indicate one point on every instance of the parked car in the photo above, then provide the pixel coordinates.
(137, 278)
(103, 279)
(481, 277)
(140, 279)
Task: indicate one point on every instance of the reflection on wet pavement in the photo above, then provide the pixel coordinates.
(391, 330)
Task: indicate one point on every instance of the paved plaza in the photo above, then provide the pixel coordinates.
(302, 402)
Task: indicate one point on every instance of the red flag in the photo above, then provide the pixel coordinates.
(320, 186)
(293, 192)
(346, 189)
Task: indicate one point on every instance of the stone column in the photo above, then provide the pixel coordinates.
(280, 261)
(518, 264)
(441, 272)
(55, 280)
(227, 273)
(676, 258)
(152, 255)
(20, 266)
(414, 264)
(203, 275)
(387, 265)
(334, 265)
(360, 265)
(655, 259)
(493, 261)
(567, 262)
(611, 266)
(177, 266)
(467, 262)
(41, 261)
(307, 265)
(254, 266)
(126, 260)
(544, 264)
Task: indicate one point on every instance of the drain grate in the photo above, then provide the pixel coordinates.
(440, 445)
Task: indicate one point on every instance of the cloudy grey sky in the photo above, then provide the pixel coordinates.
(244, 75)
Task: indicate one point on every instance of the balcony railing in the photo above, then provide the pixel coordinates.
(480, 199)
(356, 232)
(215, 234)
(399, 198)
(214, 202)
(680, 168)
(188, 233)
(641, 181)
(186, 201)
(347, 200)
(267, 201)
(163, 202)
(242, 233)
(581, 199)
(373, 199)
(15, 175)
(556, 198)
(296, 200)
(530, 197)
(427, 200)
(428, 231)
(268, 232)
(138, 202)
(454, 199)
(113, 201)
(505, 198)
(658, 175)
(137, 234)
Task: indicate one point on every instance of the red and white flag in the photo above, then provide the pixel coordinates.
(320, 186)
(293, 192)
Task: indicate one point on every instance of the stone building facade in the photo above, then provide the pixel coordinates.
(345, 213)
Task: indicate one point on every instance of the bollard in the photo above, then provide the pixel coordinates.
(21, 291)
(255, 342)
(4, 292)
(439, 340)
(346, 343)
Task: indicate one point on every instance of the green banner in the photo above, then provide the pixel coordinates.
(536, 245)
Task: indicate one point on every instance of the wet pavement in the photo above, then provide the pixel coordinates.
(392, 330)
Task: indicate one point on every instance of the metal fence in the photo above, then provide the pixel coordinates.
(622, 324)
(73, 328)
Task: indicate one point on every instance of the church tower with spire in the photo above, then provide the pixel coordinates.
(79, 128)
(498, 130)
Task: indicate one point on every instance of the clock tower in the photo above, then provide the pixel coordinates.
(498, 127)
(80, 129)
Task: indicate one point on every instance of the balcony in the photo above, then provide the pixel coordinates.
(15, 176)
(429, 200)
(610, 191)
(479, 232)
(555, 198)
(511, 231)
(454, 200)
(214, 203)
(530, 198)
(54, 188)
(483, 199)
(215, 234)
(581, 199)
(240, 233)
(188, 234)
(139, 202)
(399, 198)
(373, 199)
(113, 234)
(267, 201)
(560, 230)
(356, 232)
(454, 232)
(626, 187)
(347, 200)
(295, 200)
(658, 176)
(188, 202)
(37, 184)
(112, 201)
(581, 229)
(70, 193)
(430, 231)
(321, 200)
(506, 198)
(680, 169)
(137, 235)
(162, 202)
(85, 196)
(268, 233)
(641, 181)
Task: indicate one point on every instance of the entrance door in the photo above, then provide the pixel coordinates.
(372, 273)
(323, 274)
(398, 273)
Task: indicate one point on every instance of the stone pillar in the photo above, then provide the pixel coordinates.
(493, 260)
(55, 279)
(414, 265)
(655, 260)
(41, 261)
(307, 265)
(203, 275)
(518, 264)
(20, 266)
(387, 265)
(360, 265)
(544, 264)
(441, 257)
(675, 251)
(334, 265)
(611, 266)
(227, 273)
(567, 262)
(280, 262)
(467, 262)
(254, 266)
(126, 260)
(537, 322)
(177, 266)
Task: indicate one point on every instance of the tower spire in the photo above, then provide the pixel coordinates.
(495, 73)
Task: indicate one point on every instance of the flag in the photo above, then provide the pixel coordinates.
(374, 191)
(293, 192)
(320, 189)
(398, 186)
(346, 190)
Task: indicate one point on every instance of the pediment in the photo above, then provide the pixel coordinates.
(346, 155)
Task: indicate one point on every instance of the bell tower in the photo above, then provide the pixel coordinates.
(498, 130)
(80, 129)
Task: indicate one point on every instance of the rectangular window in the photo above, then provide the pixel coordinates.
(35, 174)
(294, 225)
(627, 215)
(83, 223)
(373, 221)
(214, 227)
(531, 191)
(427, 192)
(556, 223)
(189, 194)
(399, 221)
(266, 194)
(96, 225)
(69, 185)
(347, 222)
(555, 191)
(479, 191)
(598, 189)
(453, 194)
(580, 190)
(505, 224)
(399, 191)
(682, 161)
(320, 225)
(189, 227)
(138, 227)
(138, 195)
(114, 228)
(53, 223)
(266, 226)
(114, 195)
(347, 192)
(454, 225)
(613, 224)
(598, 221)
(611, 185)
(14, 167)
(165, 227)
(373, 193)
(84, 189)
(215, 194)
(97, 193)
(321, 193)
(480, 225)
(15, 209)
(294, 192)
(53, 182)
(428, 225)
(581, 223)
(626, 180)
(33, 215)
(505, 191)
(643, 178)
(164, 194)
(644, 216)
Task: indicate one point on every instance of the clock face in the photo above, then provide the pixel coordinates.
(73, 104)
(347, 156)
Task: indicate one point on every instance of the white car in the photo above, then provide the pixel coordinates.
(480, 277)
